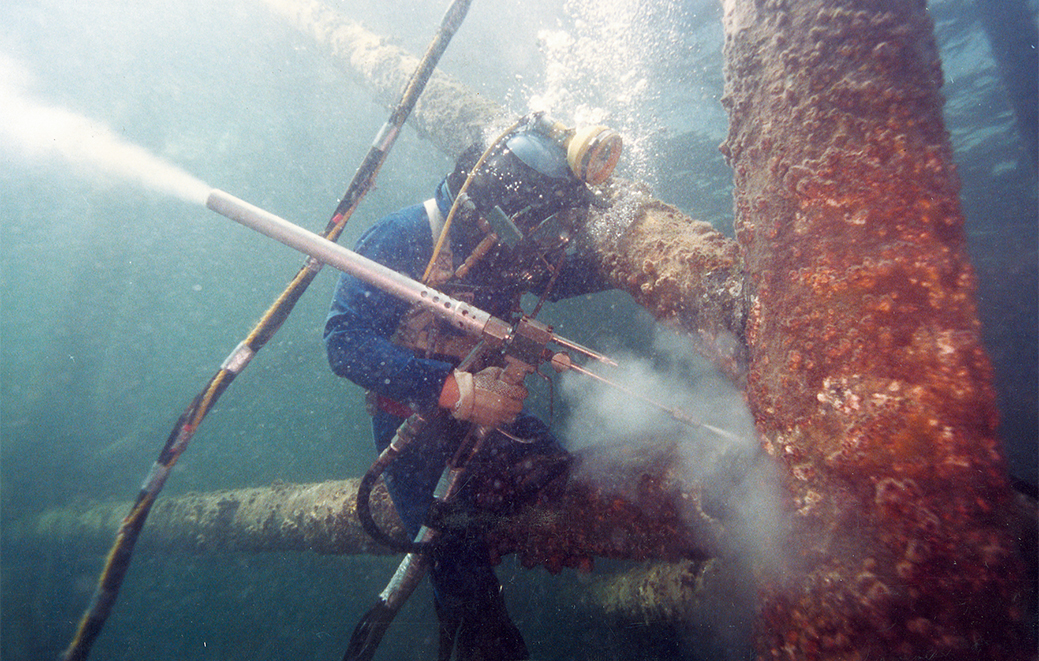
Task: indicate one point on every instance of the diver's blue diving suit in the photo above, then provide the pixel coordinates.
(361, 337)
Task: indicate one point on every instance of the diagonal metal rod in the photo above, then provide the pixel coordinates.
(118, 560)
(676, 413)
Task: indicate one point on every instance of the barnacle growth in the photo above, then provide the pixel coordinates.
(868, 380)
(650, 249)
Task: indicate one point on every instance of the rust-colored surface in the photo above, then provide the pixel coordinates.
(868, 380)
(629, 506)
(685, 272)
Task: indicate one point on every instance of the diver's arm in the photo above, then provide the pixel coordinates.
(362, 318)
(359, 350)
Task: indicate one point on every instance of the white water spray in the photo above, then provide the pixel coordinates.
(36, 131)
(721, 439)
(730, 469)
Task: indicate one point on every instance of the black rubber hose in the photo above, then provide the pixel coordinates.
(402, 440)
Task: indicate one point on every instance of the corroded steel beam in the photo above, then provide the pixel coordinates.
(283, 517)
(686, 273)
(642, 514)
(868, 380)
(623, 505)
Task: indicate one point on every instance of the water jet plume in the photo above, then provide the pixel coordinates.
(36, 131)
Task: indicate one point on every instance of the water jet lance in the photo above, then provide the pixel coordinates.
(463, 316)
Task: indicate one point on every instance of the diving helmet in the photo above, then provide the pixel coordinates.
(535, 174)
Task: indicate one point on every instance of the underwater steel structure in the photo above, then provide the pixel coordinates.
(861, 349)
(867, 376)
(845, 306)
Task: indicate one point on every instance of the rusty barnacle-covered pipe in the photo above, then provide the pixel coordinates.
(283, 517)
(868, 380)
(621, 505)
(684, 272)
(642, 514)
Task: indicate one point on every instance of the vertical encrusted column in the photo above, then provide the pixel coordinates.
(867, 376)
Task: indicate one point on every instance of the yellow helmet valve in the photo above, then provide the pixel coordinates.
(593, 152)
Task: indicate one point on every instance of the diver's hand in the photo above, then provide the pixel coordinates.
(483, 398)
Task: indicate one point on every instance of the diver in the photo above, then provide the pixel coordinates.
(511, 235)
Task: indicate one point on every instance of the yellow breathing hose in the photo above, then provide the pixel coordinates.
(458, 199)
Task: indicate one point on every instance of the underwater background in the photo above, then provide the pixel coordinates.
(118, 301)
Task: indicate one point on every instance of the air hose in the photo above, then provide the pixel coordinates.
(406, 433)
(118, 560)
(459, 196)
(402, 440)
(409, 430)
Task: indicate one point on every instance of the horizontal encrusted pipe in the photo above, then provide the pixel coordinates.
(684, 272)
(318, 517)
(642, 513)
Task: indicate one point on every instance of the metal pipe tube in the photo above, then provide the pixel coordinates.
(465, 317)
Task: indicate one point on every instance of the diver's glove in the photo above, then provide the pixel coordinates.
(483, 398)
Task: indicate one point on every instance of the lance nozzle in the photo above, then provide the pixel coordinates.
(561, 362)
